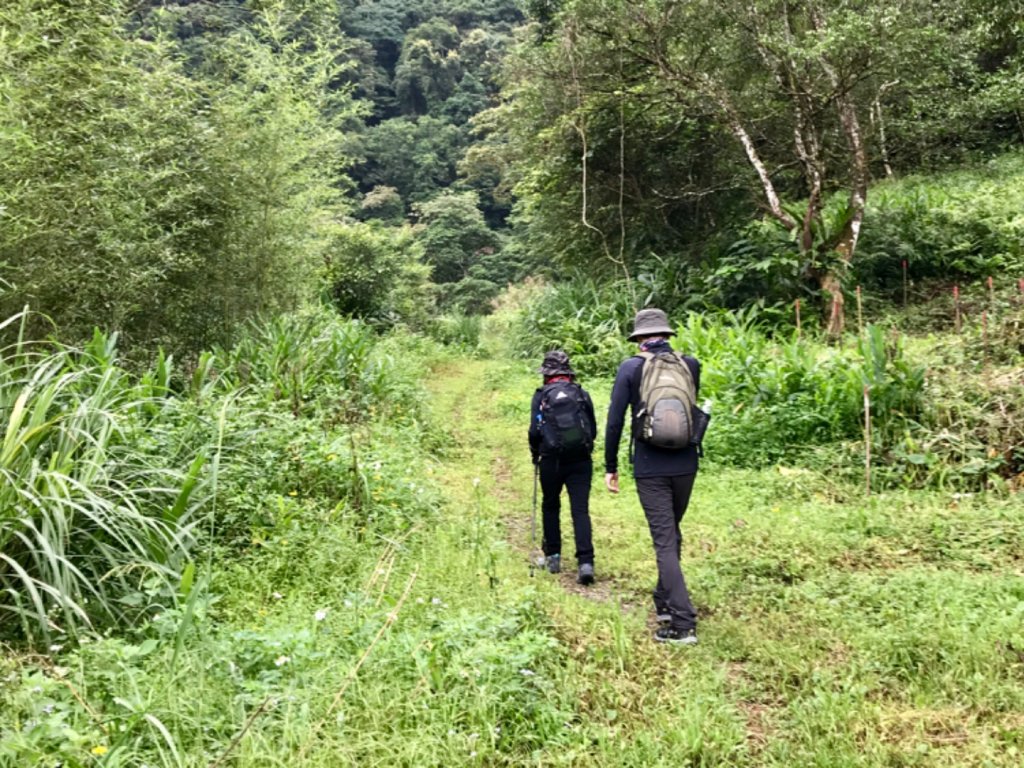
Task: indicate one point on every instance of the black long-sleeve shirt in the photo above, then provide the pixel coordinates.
(648, 460)
(535, 435)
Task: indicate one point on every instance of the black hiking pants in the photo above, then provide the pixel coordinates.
(664, 500)
(575, 475)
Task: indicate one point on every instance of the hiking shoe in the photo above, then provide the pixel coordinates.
(586, 574)
(554, 563)
(662, 612)
(676, 636)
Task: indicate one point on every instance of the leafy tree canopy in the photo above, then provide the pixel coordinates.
(416, 156)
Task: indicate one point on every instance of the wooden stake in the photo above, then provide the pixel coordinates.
(867, 440)
(984, 335)
(860, 314)
(956, 307)
(796, 304)
(904, 283)
(991, 294)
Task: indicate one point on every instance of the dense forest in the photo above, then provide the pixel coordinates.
(233, 159)
(275, 279)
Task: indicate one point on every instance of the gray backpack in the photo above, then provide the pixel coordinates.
(664, 417)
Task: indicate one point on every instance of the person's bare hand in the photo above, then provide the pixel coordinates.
(611, 482)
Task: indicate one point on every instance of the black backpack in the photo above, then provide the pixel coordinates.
(564, 424)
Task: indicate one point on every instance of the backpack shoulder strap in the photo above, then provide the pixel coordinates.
(686, 367)
(645, 357)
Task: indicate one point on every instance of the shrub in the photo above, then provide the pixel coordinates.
(457, 330)
(310, 392)
(376, 273)
(959, 225)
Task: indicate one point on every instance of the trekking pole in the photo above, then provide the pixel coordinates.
(533, 520)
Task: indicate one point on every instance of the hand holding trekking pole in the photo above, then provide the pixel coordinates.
(611, 481)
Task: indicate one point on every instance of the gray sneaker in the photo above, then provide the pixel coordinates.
(586, 574)
(554, 563)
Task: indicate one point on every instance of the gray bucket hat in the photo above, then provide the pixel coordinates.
(651, 322)
(556, 363)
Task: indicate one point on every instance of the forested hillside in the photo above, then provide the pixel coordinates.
(227, 160)
(276, 277)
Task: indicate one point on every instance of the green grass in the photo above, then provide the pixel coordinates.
(835, 629)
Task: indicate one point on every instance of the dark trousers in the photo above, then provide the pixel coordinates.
(664, 500)
(575, 475)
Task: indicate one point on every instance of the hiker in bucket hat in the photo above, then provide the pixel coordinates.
(664, 475)
(562, 434)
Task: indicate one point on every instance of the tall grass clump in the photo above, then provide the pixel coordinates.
(106, 474)
(776, 399)
(585, 318)
(314, 361)
(96, 516)
(458, 331)
(973, 431)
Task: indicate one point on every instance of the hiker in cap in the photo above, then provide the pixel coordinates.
(562, 434)
(665, 469)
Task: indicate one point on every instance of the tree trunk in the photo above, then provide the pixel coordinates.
(771, 196)
(846, 239)
(837, 319)
(883, 149)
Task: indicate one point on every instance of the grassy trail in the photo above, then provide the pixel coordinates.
(402, 627)
(642, 702)
(834, 630)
